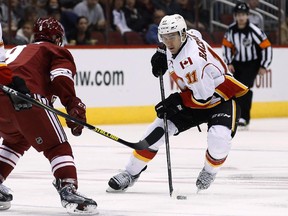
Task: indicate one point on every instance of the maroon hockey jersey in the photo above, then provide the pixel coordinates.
(56, 66)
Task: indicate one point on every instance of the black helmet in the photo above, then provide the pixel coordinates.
(241, 7)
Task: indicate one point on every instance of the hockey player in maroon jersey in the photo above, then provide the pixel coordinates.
(207, 96)
(48, 70)
(7, 78)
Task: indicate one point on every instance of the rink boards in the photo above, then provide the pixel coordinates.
(117, 85)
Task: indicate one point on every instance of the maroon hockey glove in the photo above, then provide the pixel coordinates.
(171, 106)
(76, 109)
(159, 61)
(19, 85)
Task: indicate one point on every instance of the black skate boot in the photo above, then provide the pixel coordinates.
(74, 202)
(204, 180)
(5, 197)
(121, 181)
(243, 125)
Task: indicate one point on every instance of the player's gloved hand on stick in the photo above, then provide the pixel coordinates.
(19, 85)
(159, 61)
(76, 109)
(171, 106)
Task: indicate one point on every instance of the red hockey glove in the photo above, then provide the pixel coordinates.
(171, 106)
(159, 61)
(19, 85)
(76, 109)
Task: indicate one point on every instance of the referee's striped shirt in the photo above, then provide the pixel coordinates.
(248, 44)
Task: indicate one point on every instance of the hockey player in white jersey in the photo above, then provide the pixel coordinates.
(207, 96)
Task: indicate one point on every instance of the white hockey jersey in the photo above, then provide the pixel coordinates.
(202, 75)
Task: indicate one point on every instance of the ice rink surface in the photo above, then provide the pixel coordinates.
(253, 181)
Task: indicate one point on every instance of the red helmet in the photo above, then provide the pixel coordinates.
(48, 29)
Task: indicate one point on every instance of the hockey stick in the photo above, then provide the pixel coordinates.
(166, 138)
(142, 144)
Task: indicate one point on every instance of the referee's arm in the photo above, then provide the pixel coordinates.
(265, 45)
(228, 49)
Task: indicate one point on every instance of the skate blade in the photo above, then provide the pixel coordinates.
(5, 205)
(243, 128)
(87, 210)
(111, 190)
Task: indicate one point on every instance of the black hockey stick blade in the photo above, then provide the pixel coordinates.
(142, 144)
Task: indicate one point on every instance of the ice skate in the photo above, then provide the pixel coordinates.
(5, 197)
(242, 125)
(74, 202)
(204, 180)
(121, 181)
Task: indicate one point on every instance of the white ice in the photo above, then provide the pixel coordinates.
(253, 181)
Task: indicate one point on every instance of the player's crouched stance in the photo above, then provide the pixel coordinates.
(53, 69)
(15, 82)
(207, 96)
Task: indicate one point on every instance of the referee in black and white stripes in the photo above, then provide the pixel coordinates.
(247, 52)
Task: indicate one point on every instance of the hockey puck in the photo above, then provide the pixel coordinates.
(180, 197)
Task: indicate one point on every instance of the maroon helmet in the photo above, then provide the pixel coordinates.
(48, 29)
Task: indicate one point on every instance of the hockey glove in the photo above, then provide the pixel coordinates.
(19, 85)
(159, 61)
(76, 109)
(171, 106)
